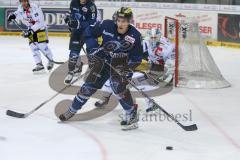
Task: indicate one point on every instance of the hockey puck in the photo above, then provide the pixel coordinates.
(169, 148)
(2, 138)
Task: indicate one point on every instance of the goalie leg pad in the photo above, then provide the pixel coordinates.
(169, 67)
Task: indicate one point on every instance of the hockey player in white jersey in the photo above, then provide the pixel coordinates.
(160, 52)
(31, 15)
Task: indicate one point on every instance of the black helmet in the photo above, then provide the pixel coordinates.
(125, 12)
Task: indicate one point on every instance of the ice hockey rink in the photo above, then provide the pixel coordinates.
(41, 137)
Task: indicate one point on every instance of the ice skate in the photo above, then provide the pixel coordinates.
(69, 78)
(151, 107)
(130, 121)
(78, 70)
(39, 69)
(67, 115)
(50, 65)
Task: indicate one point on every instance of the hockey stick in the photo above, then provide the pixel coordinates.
(149, 76)
(192, 127)
(157, 81)
(15, 22)
(25, 115)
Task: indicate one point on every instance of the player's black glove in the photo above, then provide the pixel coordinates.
(11, 17)
(67, 18)
(73, 20)
(27, 33)
(73, 23)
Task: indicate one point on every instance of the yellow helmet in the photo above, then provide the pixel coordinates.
(125, 12)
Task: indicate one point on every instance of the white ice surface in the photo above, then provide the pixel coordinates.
(40, 137)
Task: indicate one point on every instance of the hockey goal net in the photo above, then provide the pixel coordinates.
(194, 65)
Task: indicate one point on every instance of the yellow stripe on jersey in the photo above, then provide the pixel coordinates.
(100, 40)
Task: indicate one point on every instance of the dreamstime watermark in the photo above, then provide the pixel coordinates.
(160, 116)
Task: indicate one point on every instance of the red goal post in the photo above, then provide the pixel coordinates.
(175, 39)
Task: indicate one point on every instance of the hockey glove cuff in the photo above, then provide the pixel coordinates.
(11, 17)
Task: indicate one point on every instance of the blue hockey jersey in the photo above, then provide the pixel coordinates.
(85, 13)
(130, 42)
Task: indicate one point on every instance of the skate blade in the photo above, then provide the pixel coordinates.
(39, 72)
(63, 122)
(130, 127)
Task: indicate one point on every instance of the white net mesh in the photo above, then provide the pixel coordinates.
(196, 67)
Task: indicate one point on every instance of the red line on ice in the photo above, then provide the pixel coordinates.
(222, 131)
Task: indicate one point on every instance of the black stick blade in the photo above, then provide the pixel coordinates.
(58, 62)
(15, 114)
(190, 128)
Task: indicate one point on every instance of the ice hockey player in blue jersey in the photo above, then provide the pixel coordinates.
(83, 13)
(122, 49)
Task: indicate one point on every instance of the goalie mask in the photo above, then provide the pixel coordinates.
(154, 34)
